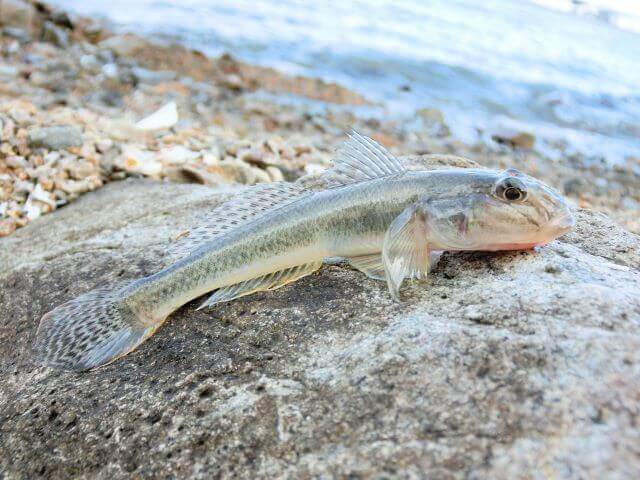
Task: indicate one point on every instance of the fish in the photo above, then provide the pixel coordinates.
(387, 221)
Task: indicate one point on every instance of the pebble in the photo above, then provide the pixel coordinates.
(552, 268)
(7, 226)
(8, 71)
(473, 313)
(55, 34)
(514, 138)
(56, 137)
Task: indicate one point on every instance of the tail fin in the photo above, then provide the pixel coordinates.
(90, 330)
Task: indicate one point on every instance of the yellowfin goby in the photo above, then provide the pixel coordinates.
(388, 222)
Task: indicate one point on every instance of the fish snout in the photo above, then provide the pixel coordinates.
(562, 223)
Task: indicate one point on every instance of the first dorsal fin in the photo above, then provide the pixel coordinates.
(359, 159)
(238, 210)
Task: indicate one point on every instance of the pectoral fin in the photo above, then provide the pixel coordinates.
(406, 252)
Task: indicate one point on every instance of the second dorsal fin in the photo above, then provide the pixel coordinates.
(240, 209)
(359, 159)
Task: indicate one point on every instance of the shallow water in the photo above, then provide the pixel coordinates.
(571, 77)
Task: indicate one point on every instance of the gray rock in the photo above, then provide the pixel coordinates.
(494, 368)
(16, 33)
(153, 77)
(56, 137)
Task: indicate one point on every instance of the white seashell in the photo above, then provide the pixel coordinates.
(42, 196)
(31, 210)
(177, 155)
(136, 160)
(165, 117)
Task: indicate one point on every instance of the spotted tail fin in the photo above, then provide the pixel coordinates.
(90, 330)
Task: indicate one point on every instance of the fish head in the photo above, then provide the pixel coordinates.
(506, 211)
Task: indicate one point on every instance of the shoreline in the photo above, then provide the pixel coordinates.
(71, 92)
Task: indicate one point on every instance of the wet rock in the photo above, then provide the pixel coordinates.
(499, 371)
(514, 138)
(56, 137)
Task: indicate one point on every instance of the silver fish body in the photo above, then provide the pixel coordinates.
(387, 221)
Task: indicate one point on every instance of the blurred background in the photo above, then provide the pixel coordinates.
(566, 71)
(249, 91)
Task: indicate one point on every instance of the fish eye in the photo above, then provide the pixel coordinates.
(511, 189)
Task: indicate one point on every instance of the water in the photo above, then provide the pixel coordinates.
(570, 75)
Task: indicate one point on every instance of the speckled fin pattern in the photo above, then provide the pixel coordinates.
(90, 330)
(268, 282)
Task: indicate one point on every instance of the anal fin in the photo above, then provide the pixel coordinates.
(371, 265)
(267, 282)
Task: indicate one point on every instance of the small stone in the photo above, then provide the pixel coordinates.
(574, 186)
(18, 14)
(110, 70)
(19, 34)
(473, 313)
(104, 145)
(211, 158)
(79, 169)
(552, 268)
(433, 122)
(7, 226)
(153, 77)
(127, 45)
(90, 63)
(16, 161)
(514, 138)
(275, 174)
(55, 138)
(8, 71)
(55, 35)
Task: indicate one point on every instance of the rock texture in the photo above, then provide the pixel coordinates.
(505, 365)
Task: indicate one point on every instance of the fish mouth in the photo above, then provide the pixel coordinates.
(561, 224)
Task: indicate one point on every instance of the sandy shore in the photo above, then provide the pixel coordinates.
(71, 93)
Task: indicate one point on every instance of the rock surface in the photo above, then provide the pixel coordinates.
(505, 365)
